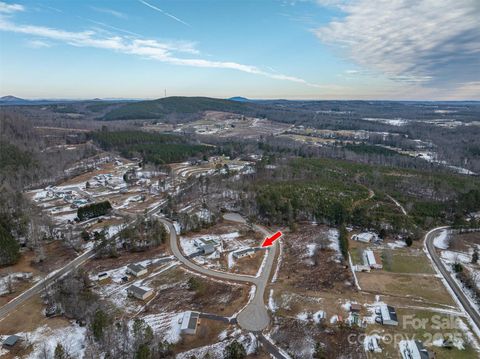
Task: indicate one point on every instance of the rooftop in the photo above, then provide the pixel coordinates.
(136, 267)
(138, 290)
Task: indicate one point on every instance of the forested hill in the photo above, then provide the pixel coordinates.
(157, 109)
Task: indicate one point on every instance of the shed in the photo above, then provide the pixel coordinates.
(355, 307)
(190, 322)
(103, 276)
(138, 292)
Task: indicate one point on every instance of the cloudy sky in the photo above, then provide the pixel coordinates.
(305, 49)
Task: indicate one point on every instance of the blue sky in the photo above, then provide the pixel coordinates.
(323, 49)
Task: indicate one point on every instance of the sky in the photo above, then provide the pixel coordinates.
(305, 49)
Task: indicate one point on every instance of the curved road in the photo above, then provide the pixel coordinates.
(254, 316)
(467, 306)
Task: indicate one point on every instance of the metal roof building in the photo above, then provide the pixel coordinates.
(189, 322)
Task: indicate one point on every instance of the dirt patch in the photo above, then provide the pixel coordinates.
(310, 264)
(57, 254)
(247, 265)
(28, 317)
(299, 339)
(208, 296)
(463, 242)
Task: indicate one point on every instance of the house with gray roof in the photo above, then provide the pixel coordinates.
(136, 270)
(139, 292)
(190, 322)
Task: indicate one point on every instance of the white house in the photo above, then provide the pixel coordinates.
(372, 260)
(189, 322)
(388, 315)
(136, 270)
(366, 237)
(141, 293)
(413, 349)
(243, 253)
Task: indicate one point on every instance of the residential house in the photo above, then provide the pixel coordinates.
(206, 246)
(371, 259)
(190, 322)
(138, 292)
(136, 270)
(388, 315)
(414, 349)
(243, 253)
(366, 237)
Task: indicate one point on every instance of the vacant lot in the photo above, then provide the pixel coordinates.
(401, 262)
(421, 288)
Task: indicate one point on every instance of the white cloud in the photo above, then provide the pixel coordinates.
(164, 12)
(10, 8)
(167, 52)
(112, 12)
(38, 44)
(428, 41)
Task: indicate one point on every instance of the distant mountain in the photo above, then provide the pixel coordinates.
(239, 99)
(156, 109)
(12, 99)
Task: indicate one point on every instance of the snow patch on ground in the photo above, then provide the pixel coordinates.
(397, 244)
(311, 249)
(333, 236)
(166, 325)
(44, 339)
(279, 261)
(319, 316)
(441, 240)
(271, 302)
(303, 316)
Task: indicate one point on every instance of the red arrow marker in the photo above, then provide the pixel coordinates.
(269, 240)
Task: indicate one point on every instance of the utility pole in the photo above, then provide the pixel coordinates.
(165, 92)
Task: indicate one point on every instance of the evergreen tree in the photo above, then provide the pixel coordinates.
(59, 352)
(99, 323)
(343, 241)
(9, 248)
(475, 256)
(234, 350)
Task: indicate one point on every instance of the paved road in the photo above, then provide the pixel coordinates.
(469, 308)
(270, 347)
(38, 287)
(254, 316)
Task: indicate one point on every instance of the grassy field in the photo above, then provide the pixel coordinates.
(405, 263)
(427, 289)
